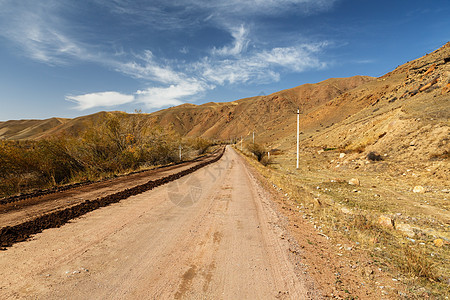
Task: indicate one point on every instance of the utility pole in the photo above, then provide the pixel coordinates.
(180, 152)
(298, 133)
(241, 142)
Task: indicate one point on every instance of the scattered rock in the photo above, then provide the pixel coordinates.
(354, 181)
(446, 89)
(411, 240)
(430, 69)
(406, 229)
(317, 202)
(392, 100)
(346, 211)
(341, 155)
(386, 221)
(413, 92)
(438, 242)
(368, 271)
(419, 189)
(428, 85)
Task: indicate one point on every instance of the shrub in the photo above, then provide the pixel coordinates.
(257, 149)
(373, 156)
(200, 144)
(260, 153)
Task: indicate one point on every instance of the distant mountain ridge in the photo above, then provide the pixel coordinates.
(211, 120)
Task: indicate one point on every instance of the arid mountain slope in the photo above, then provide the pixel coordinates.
(266, 115)
(212, 120)
(404, 113)
(28, 129)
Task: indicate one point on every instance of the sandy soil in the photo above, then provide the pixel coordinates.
(214, 234)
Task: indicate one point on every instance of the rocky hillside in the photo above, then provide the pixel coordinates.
(266, 115)
(404, 114)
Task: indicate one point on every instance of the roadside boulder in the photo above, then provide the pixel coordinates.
(354, 181)
(419, 189)
(446, 89)
(406, 229)
(386, 221)
(438, 242)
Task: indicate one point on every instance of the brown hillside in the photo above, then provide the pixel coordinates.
(267, 115)
(75, 126)
(404, 113)
(28, 129)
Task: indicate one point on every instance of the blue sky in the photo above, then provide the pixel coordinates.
(69, 58)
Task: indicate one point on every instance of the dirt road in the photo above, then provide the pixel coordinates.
(213, 234)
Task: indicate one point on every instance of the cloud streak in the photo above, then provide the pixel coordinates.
(158, 97)
(38, 30)
(240, 43)
(102, 99)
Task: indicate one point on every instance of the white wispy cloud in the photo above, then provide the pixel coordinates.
(182, 81)
(263, 66)
(145, 66)
(158, 97)
(38, 29)
(296, 59)
(184, 50)
(240, 43)
(102, 99)
(235, 8)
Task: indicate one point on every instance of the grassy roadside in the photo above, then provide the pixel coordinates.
(402, 240)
